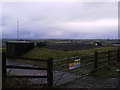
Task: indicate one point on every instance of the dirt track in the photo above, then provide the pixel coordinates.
(91, 82)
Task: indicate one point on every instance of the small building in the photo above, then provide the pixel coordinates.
(41, 44)
(98, 43)
(17, 48)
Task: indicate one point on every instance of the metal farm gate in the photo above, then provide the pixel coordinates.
(61, 71)
(70, 69)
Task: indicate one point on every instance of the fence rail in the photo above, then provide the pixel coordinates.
(44, 60)
(72, 57)
(26, 76)
(24, 67)
(49, 70)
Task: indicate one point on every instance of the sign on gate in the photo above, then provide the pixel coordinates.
(75, 64)
(71, 66)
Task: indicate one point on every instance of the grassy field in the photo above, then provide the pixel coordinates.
(44, 53)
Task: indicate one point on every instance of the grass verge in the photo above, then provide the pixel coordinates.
(108, 70)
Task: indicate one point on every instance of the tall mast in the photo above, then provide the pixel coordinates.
(17, 29)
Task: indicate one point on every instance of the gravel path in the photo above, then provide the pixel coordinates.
(92, 82)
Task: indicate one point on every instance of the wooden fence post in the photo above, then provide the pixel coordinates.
(95, 60)
(118, 53)
(4, 73)
(50, 72)
(108, 55)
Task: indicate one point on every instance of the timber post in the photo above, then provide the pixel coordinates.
(95, 60)
(50, 72)
(4, 73)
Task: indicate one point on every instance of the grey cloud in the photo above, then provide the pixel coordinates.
(48, 20)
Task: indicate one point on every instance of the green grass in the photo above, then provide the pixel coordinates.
(44, 53)
(109, 70)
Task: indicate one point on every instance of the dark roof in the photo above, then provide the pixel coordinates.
(19, 42)
(97, 42)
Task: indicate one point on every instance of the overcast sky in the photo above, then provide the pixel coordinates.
(60, 20)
